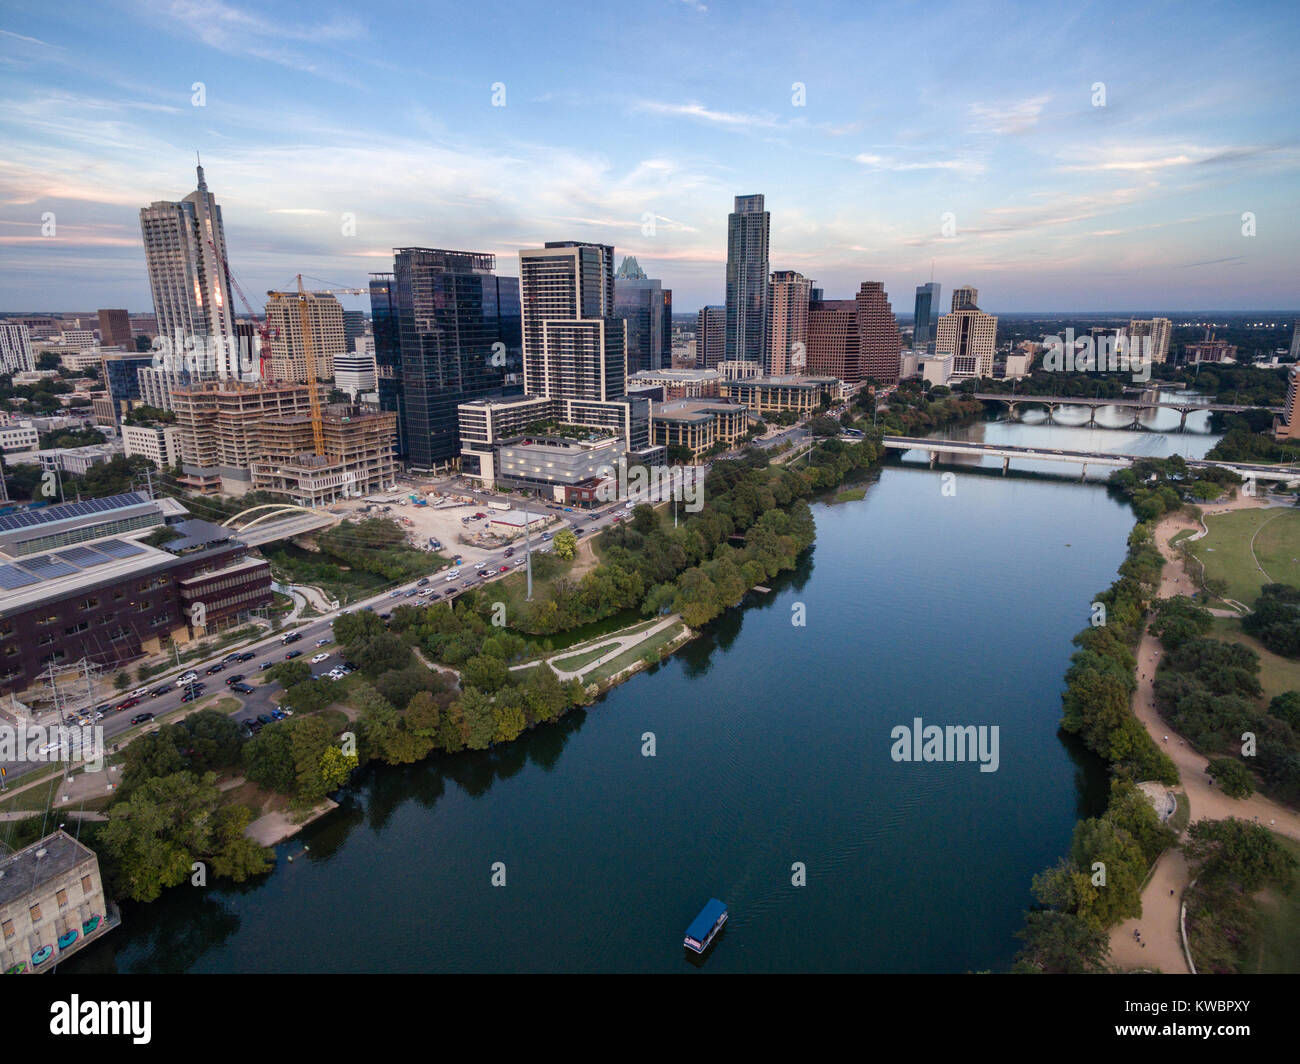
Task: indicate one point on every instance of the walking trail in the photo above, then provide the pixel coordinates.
(1159, 923)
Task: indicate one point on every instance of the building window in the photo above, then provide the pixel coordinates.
(86, 886)
(8, 928)
(35, 912)
(61, 897)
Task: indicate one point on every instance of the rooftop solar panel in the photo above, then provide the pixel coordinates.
(48, 567)
(11, 578)
(118, 548)
(82, 557)
(63, 511)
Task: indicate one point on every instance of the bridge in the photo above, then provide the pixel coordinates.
(1287, 475)
(280, 521)
(1183, 406)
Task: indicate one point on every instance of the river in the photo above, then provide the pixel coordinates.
(772, 748)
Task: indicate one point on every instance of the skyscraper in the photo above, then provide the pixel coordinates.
(855, 339)
(288, 354)
(646, 306)
(711, 337)
(354, 325)
(1159, 330)
(787, 342)
(457, 337)
(115, 329)
(1295, 340)
(748, 270)
(970, 336)
(15, 348)
(926, 314)
(574, 345)
(388, 352)
(185, 254)
(965, 296)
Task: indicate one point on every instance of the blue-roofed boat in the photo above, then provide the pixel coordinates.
(705, 927)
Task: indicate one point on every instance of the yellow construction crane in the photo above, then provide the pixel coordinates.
(309, 353)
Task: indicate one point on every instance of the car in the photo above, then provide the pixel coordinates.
(141, 718)
(139, 692)
(349, 665)
(385, 616)
(426, 592)
(230, 657)
(212, 670)
(323, 642)
(265, 665)
(396, 594)
(479, 516)
(254, 725)
(242, 688)
(504, 569)
(435, 595)
(292, 637)
(319, 658)
(509, 552)
(278, 714)
(293, 654)
(266, 718)
(616, 519)
(412, 593)
(546, 535)
(521, 563)
(232, 680)
(248, 655)
(189, 677)
(422, 581)
(579, 532)
(128, 703)
(108, 707)
(452, 577)
(158, 692)
(190, 695)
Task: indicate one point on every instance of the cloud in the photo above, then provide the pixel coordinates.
(29, 40)
(1019, 117)
(733, 119)
(885, 162)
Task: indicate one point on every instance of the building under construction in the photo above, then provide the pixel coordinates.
(359, 456)
(220, 423)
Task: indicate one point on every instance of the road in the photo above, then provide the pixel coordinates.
(272, 649)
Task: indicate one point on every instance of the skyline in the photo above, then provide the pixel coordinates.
(1058, 205)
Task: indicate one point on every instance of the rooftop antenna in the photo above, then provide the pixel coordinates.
(198, 164)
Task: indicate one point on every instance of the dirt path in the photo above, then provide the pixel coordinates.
(1160, 945)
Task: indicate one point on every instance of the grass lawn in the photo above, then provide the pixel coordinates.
(577, 661)
(1277, 949)
(1226, 551)
(650, 646)
(1276, 674)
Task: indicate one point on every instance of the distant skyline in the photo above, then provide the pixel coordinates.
(981, 116)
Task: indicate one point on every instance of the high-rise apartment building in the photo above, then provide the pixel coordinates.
(1157, 330)
(965, 296)
(115, 330)
(574, 345)
(457, 331)
(855, 339)
(711, 337)
(354, 371)
(15, 348)
(354, 326)
(1295, 340)
(969, 336)
(288, 354)
(787, 341)
(185, 254)
(1287, 425)
(748, 271)
(647, 307)
(926, 314)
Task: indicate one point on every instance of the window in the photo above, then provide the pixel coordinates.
(8, 928)
(35, 912)
(86, 886)
(61, 897)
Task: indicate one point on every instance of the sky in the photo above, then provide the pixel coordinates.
(1094, 156)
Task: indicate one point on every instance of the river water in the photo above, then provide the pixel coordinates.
(772, 749)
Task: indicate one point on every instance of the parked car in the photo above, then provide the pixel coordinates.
(293, 654)
(140, 718)
(265, 665)
(319, 658)
(278, 714)
(254, 725)
(242, 688)
(266, 718)
(232, 680)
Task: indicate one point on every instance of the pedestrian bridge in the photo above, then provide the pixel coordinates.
(1153, 402)
(1287, 475)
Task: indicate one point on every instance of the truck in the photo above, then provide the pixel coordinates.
(499, 505)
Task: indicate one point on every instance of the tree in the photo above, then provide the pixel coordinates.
(1233, 778)
(565, 544)
(480, 723)
(122, 680)
(290, 673)
(644, 519)
(1239, 853)
(1061, 943)
(268, 759)
(486, 673)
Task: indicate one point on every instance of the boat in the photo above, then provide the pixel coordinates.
(705, 927)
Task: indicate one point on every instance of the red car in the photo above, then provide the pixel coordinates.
(504, 569)
(128, 704)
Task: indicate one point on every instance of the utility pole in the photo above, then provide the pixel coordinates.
(528, 552)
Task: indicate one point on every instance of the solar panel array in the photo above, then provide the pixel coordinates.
(47, 514)
(66, 562)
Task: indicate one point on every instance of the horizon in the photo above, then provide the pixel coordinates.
(1122, 176)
